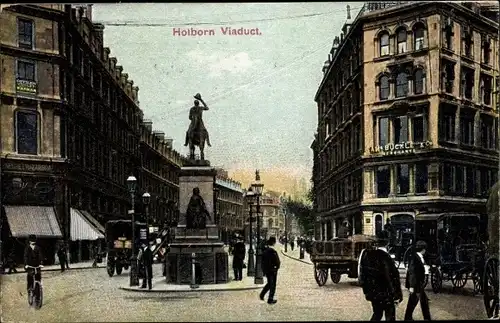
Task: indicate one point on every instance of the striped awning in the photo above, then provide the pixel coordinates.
(81, 228)
(94, 221)
(38, 220)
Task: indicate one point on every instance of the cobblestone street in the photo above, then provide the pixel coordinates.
(91, 296)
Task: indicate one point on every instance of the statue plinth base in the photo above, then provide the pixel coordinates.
(210, 256)
(196, 162)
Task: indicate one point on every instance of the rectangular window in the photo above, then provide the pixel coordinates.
(447, 125)
(383, 181)
(63, 136)
(403, 178)
(383, 131)
(25, 33)
(421, 178)
(487, 132)
(486, 89)
(26, 71)
(459, 179)
(470, 181)
(448, 178)
(419, 129)
(467, 83)
(27, 133)
(400, 129)
(466, 129)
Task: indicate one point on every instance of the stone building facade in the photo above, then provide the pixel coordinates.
(407, 119)
(70, 131)
(229, 205)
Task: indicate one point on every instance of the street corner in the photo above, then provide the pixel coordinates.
(162, 287)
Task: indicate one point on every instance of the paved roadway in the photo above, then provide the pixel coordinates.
(91, 296)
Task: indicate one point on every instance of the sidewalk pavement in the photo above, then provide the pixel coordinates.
(78, 265)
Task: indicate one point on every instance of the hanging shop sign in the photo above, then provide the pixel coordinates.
(404, 148)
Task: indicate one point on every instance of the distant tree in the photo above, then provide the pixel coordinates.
(303, 213)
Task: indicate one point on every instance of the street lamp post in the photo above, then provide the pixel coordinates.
(134, 279)
(283, 201)
(251, 264)
(258, 187)
(146, 198)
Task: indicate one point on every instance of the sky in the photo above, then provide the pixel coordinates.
(259, 88)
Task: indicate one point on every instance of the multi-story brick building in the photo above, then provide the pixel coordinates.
(229, 205)
(71, 128)
(407, 121)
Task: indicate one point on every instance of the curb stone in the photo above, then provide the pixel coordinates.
(296, 259)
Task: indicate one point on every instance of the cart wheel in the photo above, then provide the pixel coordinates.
(436, 280)
(477, 283)
(335, 277)
(321, 275)
(459, 280)
(119, 269)
(426, 281)
(406, 257)
(490, 287)
(110, 267)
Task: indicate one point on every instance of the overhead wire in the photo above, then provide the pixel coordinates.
(224, 94)
(215, 23)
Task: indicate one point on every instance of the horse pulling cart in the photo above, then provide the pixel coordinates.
(339, 256)
(490, 275)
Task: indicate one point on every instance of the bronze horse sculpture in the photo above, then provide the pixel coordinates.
(197, 134)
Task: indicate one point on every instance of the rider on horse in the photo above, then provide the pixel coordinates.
(195, 115)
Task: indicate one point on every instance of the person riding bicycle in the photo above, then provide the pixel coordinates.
(32, 258)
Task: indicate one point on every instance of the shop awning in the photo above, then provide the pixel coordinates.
(38, 220)
(94, 222)
(81, 228)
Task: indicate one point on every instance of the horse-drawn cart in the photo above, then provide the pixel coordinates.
(339, 256)
(490, 275)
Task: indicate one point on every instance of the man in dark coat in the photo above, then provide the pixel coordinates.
(379, 278)
(147, 262)
(270, 266)
(32, 258)
(415, 281)
(62, 255)
(238, 258)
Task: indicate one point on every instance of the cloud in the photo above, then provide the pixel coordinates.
(219, 62)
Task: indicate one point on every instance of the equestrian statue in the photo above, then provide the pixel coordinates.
(197, 133)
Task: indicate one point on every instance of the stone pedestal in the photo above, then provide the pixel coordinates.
(211, 259)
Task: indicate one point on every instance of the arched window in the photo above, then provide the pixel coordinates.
(401, 40)
(384, 44)
(418, 81)
(401, 85)
(27, 132)
(384, 88)
(418, 36)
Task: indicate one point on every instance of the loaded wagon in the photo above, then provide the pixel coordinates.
(490, 275)
(339, 256)
(119, 244)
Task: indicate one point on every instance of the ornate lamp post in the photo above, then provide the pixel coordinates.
(146, 198)
(251, 265)
(134, 279)
(257, 188)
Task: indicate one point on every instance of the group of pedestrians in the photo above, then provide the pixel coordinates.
(379, 278)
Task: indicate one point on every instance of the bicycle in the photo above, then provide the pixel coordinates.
(35, 294)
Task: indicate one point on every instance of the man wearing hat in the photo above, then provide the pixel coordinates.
(146, 258)
(239, 251)
(32, 258)
(379, 278)
(415, 281)
(344, 231)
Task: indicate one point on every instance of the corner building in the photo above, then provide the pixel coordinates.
(407, 119)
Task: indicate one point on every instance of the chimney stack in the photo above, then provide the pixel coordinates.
(348, 12)
(159, 134)
(169, 142)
